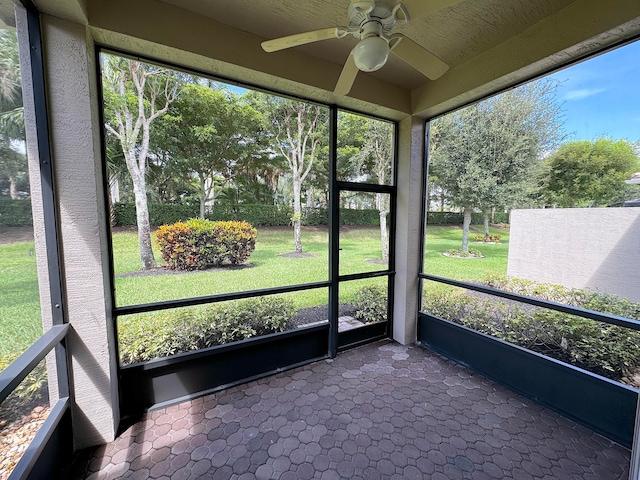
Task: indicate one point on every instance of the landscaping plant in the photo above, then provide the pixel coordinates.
(198, 244)
(160, 334)
(370, 304)
(602, 348)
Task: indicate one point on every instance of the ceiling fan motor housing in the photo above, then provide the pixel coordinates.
(361, 13)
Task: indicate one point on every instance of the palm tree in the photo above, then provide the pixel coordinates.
(12, 162)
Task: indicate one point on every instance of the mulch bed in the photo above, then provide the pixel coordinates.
(309, 315)
(15, 234)
(297, 255)
(19, 423)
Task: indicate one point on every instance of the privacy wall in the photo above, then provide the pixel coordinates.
(597, 248)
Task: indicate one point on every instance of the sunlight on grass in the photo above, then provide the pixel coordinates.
(266, 268)
(20, 320)
(442, 238)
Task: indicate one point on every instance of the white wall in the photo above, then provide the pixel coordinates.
(597, 248)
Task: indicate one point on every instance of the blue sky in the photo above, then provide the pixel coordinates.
(601, 96)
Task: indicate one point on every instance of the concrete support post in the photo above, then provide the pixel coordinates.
(75, 145)
(409, 207)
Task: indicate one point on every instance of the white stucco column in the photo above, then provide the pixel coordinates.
(70, 72)
(409, 207)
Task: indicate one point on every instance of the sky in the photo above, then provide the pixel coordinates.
(601, 96)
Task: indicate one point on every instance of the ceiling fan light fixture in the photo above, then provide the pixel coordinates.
(371, 53)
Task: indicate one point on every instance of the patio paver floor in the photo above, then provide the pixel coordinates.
(382, 411)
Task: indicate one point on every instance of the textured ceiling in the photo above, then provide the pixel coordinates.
(454, 34)
(489, 45)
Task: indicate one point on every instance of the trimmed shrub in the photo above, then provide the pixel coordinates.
(455, 218)
(15, 213)
(605, 349)
(363, 217)
(148, 336)
(197, 244)
(257, 215)
(159, 213)
(371, 304)
(487, 238)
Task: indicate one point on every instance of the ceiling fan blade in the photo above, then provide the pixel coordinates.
(419, 8)
(299, 39)
(422, 60)
(347, 77)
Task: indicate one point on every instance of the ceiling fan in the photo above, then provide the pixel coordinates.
(371, 22)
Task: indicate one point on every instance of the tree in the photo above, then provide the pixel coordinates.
(214, 135)
(588, 173)
(484, 154)
(13, 164)
(375, 160)
(136, 94)
(298, 129)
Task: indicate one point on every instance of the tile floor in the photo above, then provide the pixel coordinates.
(383, 411)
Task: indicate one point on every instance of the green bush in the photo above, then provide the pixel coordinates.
(257, 215)
(455, 218)
(197, 244)
(487, 238)
(148, 336)
(605, 349)
(371, 304)
(360, 217)
(34, 387)
(159, 213)
(15, 213)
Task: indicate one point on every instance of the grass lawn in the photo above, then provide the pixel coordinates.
(441, 238)
(20, 320)
(20, 323)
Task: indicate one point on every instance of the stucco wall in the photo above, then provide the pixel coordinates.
(75, 147)
(597, 248)
(411, 134)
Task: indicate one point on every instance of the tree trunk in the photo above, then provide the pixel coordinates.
(297, 213)
(493, 214)
(144, 227)
(114, 186)
(13, 188)
(203, 197)
(309, 202)
(485, 217)
(383, 210)
(465, 228)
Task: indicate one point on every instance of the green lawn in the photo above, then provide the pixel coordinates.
(442, 238)
(20, 320)
(20, 309)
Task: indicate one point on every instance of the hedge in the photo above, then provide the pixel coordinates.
(256, 215)
(148, 336)
(455, 218)
(15, 213)
(605, 349)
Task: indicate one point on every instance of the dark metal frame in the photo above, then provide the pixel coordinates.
(175, 363)
(52, 446)
(599, 403)
(559, 307)
(377, 331)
